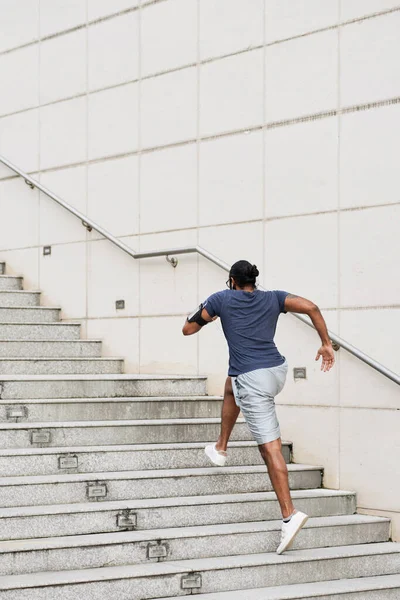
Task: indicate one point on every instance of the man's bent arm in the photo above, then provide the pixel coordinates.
(297, 304)
(191, 328)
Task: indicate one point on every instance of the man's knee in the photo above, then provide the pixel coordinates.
(270, 449)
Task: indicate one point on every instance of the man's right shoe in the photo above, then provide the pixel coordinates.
(217, 458)
(290, 530)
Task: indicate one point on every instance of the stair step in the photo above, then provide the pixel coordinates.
(39, 331)
(128, 485)
(139, 582)
(19, 298)
(105, 433)
(89, 409)
(95, 459)
(384, 587)
(28, 314)
(50, 349)
(134, 547)
(159, 513)
(99, 386)
(10, 282)
(60, 366)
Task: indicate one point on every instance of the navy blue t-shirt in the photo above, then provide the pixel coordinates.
(249, 322)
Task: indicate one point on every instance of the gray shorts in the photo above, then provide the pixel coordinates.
(254, 393)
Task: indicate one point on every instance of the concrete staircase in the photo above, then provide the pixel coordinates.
(105, 489)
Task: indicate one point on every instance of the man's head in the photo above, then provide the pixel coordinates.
(243, 275)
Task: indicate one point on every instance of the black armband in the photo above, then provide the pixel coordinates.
(195, 317)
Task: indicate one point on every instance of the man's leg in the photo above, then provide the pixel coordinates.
(229, 415)
(293, 520)
(278, 472)
(217, 452)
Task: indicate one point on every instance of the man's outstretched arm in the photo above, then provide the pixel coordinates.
(297, 304)
(189, 328)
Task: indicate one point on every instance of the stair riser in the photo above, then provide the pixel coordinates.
(83, 435)
(61, 367)
(102, 389)
(43, 331)
(388, 594)
(139, 460)
(128, 489)
(9, 299)
(29, 315)
(44, 349)
(144, 588)
(105, 521)
(117, 410)
(2, 268)
(306, 572)
(16, 563)
(10, 283)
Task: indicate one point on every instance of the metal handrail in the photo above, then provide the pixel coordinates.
(171, 252)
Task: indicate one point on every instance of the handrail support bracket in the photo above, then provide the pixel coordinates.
(172, 261)
(87, 226)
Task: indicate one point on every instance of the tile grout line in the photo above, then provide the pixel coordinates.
(216, 136)
(112, 16)
(219, 225)
(264, 146)
(139, 188)
(198, 62)
(338, 239)
(88, 253)
(39, 117)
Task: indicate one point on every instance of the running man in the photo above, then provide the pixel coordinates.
(257, 373)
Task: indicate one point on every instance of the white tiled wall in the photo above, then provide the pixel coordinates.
(231, 93)
(113, 51)
(286, 19)
(19, 76)
(59, 15)
(113, 121)
(184, 122)
(168, 36)
(369, 150)
(169, 108)
(301, 76)
(70, 184)
(25, 14)
(231, 179)
(369, 54)
(301, 167)
(19, 140)
(63, 136)
(226, 28)
(63, 66)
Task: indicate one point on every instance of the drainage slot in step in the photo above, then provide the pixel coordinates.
(155, 550)
(40, 437)
(68, 462)
(126, 520)
(16, 412)
(96, 490)
(191, 582)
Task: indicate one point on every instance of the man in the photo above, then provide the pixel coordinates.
(257, 373)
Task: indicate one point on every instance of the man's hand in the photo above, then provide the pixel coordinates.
(328, 357)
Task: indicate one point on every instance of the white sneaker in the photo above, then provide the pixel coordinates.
(290, 530)
(217, 458)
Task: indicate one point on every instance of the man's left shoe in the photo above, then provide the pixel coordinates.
(217, 458)
(290, 530)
